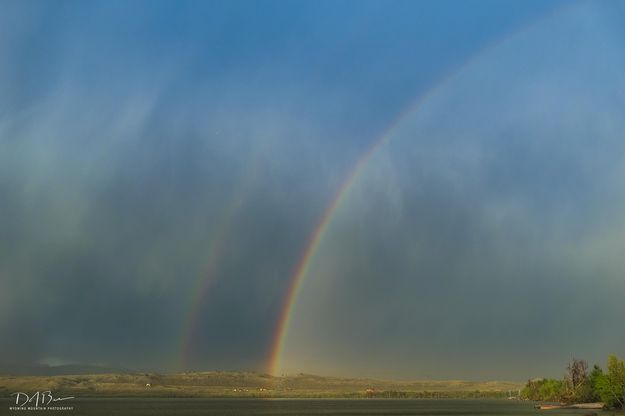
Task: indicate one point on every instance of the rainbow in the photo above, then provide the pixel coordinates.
(201, 293)
(215, 251)
(306, 259)
(301, 269)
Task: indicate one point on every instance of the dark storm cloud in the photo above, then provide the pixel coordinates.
(132, 136)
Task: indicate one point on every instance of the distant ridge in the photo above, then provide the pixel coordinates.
(245, 384)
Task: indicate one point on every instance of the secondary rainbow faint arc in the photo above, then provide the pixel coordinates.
(202, 288)
(303, 265)
(215, 252)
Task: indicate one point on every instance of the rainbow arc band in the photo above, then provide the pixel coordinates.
(215, 252)
(303, 265)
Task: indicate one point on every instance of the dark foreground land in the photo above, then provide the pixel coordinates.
(293, 407)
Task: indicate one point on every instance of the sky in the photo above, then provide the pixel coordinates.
(163, 166)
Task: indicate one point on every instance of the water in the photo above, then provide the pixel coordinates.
(297, 407)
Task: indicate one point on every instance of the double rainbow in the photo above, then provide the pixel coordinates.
(301, 270)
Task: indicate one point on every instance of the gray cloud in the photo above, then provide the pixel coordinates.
(133, 141)
(477, 244)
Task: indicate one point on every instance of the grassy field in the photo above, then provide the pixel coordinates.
(245, 384)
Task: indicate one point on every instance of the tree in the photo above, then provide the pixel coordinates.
(593, 379)
(611, 385)
(580, 387)
(577, 382)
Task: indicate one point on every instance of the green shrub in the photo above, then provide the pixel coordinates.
(550, 390)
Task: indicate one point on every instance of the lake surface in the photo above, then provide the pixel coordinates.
(296, 407)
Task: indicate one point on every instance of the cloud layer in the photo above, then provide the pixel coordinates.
(135, 140)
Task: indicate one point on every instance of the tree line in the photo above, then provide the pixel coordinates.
(582, 386)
